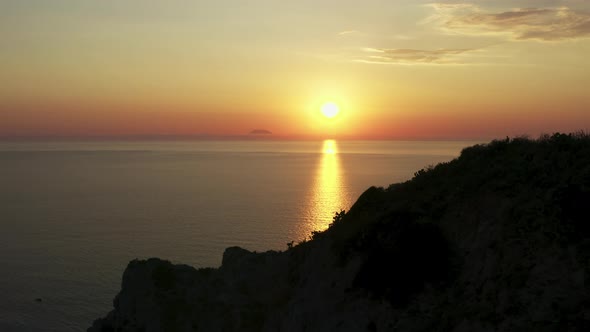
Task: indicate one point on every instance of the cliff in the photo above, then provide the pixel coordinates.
(495, 240)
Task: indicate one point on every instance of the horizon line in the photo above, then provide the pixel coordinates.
(246, 137)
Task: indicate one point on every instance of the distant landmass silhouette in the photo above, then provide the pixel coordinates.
(494, 240)
(260, 132)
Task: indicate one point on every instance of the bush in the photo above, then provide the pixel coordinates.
(401, 257)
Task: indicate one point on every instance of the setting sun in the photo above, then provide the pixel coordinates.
(330, 110)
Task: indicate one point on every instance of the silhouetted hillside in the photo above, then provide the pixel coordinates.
(495, 240)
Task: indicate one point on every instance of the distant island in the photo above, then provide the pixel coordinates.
(260, 132)
(494, 240)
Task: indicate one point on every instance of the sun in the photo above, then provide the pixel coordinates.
(330, 110)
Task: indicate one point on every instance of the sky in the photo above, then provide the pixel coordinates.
(396, 69)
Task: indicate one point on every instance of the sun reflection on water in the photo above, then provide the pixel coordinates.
(329, 147)
(328, 188)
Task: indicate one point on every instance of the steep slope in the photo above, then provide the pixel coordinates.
(495, 240)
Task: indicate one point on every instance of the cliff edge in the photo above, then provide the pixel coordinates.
(495, 240)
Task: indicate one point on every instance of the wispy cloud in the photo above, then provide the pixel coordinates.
(543, 24)
(414, 56)
(348, 32)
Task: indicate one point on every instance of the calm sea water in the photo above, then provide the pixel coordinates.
(73, 214)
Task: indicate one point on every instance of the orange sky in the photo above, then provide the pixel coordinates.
(399, 69)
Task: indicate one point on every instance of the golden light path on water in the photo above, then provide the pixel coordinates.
(328, 188)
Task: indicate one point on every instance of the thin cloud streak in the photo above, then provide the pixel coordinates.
(348, 32)
(413, 56)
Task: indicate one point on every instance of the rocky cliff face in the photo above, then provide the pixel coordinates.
(496, 240)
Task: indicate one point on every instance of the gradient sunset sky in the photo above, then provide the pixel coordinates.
(397, 69)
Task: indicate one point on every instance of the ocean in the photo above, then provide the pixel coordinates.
(73, 214)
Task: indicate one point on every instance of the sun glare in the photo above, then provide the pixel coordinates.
(330, 110)
(329, 147)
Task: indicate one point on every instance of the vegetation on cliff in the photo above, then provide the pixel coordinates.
(495, 240)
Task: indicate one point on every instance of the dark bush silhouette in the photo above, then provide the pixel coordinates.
(402, 256)
(545, 181)
(574, 202)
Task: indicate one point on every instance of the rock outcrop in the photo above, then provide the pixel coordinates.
(495, 240)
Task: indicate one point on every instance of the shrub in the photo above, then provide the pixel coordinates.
(401, 257)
